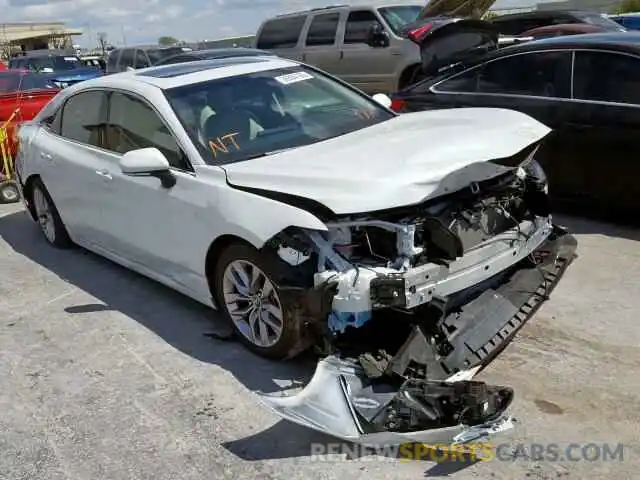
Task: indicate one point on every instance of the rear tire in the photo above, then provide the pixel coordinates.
(48, 217)
(245, 290)
(9, 192)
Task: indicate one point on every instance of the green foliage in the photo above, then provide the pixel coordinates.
(167, 41)
(627, 6)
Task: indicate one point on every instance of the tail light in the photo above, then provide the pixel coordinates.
(398, 104)
(417, 34)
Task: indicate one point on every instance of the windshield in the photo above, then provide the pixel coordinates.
(54, 64)
(247, 116)
(398, 17)
(594, 18)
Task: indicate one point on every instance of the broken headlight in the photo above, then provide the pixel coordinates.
(530, 169)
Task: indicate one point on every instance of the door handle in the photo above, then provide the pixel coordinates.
(104, 174)
(46, 156)
(341, 54)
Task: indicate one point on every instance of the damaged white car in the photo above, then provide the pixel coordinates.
(407, 250)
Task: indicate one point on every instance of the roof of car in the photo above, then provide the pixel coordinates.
(220, 53)
(615, 40)
(179, 74)
(539, 13)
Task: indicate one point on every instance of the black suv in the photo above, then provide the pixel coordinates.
(133, 58)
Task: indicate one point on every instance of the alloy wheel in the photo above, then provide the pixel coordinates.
(44, 215)
(253, 303)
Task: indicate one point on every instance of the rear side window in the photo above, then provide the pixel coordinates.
(126, 59)
(606, 77)
(359, 23)
(84, 118)
(323, 28)
(543, 74)
(141, 60)
(281, 33)
(112, 60)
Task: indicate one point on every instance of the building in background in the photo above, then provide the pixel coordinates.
(16, 37)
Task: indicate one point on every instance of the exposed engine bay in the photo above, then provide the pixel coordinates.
(409, 305)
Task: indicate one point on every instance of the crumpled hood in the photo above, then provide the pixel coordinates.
(396, 163)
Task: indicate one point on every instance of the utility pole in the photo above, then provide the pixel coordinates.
(124, 38)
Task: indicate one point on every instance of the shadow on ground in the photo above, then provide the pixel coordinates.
(587, 226)
(185, 325)
(180, 321)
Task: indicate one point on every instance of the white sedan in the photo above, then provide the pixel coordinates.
(311, 214)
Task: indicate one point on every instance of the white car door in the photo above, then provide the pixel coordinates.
(71, 163)
(159, 231)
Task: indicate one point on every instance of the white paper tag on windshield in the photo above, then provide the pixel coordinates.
(69, 59)
(294, 78)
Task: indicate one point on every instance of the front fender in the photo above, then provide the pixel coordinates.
(256, 219)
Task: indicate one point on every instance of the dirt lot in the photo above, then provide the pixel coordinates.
(107, 375)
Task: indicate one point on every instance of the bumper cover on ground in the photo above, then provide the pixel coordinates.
(444, 406)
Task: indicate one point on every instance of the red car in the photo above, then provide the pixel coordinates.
(22, 96)
(562, 29)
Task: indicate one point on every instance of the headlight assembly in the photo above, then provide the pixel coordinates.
(531, 169)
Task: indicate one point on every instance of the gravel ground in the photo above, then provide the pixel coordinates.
(107, 375)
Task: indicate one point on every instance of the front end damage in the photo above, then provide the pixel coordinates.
(408, 306)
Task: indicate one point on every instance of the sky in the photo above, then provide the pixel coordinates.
(144, 21)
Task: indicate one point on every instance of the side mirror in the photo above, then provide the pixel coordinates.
(377, 37)
(383, 100)
(148, 162)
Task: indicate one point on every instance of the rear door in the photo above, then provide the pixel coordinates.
(603, 131)
(72, 163)
(535, 83)
(371, 69)
(321, 42)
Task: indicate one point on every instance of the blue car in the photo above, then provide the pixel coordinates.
(62, 69)
(630, 21)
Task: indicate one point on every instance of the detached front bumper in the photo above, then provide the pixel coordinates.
(426, 393)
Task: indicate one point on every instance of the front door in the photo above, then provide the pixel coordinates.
(158, 230)
(371, 69)
(73, 166)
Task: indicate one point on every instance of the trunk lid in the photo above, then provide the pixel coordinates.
(445, 41)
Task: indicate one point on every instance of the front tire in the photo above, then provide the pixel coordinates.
(247, 294)
(48, 217)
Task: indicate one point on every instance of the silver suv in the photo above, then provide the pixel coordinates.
(360, 44)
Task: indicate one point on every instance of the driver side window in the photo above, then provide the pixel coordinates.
(359, 23)
(132, 124)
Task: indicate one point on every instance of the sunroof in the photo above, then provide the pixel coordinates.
(178, 69)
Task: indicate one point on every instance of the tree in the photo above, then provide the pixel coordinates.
(102, 42)
(627, 6)
(167, 41)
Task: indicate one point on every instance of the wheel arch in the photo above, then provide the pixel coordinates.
(407, 74)
(27, 192)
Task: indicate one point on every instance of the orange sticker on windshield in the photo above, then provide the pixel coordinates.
(222, 144)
